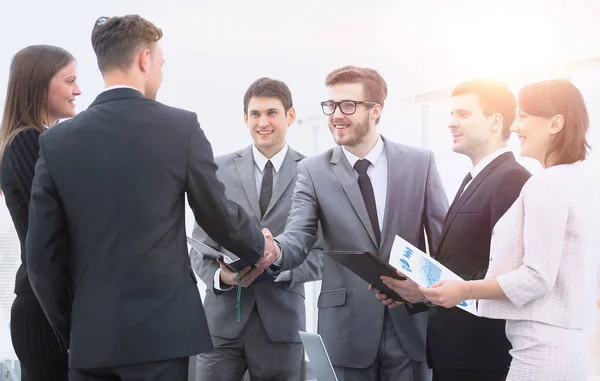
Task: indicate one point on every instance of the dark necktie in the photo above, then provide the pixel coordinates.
(464, 183)
(366, 188)
(266, 188)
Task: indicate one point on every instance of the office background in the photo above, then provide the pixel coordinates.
(214, 50)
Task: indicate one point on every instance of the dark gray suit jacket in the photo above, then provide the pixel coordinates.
(112, 181)
(350, 317)
(280, 304)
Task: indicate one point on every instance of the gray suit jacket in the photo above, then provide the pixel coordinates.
(350, 317)
(280, 304)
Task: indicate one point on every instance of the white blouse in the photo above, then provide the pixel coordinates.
(541, 252)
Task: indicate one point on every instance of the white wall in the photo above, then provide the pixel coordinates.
(214, 50)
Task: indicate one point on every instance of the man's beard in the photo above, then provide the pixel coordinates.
(359, 131)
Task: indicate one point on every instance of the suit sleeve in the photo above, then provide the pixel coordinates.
(224, 221)
(545, 223)
(25, 149)
(312, 267)
(46, 262)
(302, 224)
(205, 267)
(436, 207)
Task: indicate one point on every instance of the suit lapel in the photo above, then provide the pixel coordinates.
(475, 183)
(395, 164)
(245, 168)
(345, 175)
(287, 173)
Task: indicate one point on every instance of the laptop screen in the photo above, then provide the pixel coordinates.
(317, 354)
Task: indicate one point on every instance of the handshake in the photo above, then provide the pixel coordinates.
(249, 274)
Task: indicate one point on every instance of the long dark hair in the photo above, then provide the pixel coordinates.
(26, 103)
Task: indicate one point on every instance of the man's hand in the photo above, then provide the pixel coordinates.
(271, 254)
(227, 276)
(407, 289)
(387, 301)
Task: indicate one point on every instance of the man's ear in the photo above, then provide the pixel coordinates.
(291, 116)
(143, 59)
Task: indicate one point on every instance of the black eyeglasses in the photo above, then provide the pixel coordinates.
(347, 107)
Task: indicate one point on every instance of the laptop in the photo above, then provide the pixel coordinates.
(317, 354)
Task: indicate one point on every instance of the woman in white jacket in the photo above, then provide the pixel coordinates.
(542, 274)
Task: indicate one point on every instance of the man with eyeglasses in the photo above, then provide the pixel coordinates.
(365, 192)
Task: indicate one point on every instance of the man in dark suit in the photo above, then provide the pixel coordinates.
(261, 179)
(462, 346)
(111, 184)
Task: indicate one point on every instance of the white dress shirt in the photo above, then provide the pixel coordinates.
(119, 87)
(260, 161)
(377, 172)
(484, 163)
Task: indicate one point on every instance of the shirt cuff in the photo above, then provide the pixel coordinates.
(217, 282)
(284, 276)
(279, 261)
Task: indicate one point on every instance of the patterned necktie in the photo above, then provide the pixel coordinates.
(266, 188)
(366, 188)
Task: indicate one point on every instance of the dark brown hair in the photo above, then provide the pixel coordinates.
(373, 83)
(494, 97)
(26, 103)
(116, 39)
(559, 97)
(270, 88)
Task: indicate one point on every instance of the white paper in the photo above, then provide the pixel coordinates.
(422, 269)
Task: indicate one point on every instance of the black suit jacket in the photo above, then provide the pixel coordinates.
(455, 338)
(18, 164)
(113, 180)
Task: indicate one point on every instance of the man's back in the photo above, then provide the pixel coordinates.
(121, 170)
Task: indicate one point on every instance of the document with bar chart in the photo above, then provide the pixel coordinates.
(422, 269)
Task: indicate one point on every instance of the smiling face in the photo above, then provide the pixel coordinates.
(62, 91)
(352, 130)
(473, 132)
(535, 134)
(268, 123)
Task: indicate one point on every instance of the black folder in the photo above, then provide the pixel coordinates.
(234, 263)
(369, 268)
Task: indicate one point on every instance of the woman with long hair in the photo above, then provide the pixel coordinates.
(542, 273)
(42, 86)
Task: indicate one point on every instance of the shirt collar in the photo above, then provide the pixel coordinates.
(119, 87)
(277, 160)
(373, 156)
(487, 160)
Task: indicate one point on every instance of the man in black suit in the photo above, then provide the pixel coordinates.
(111, 184)
(461, 346)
